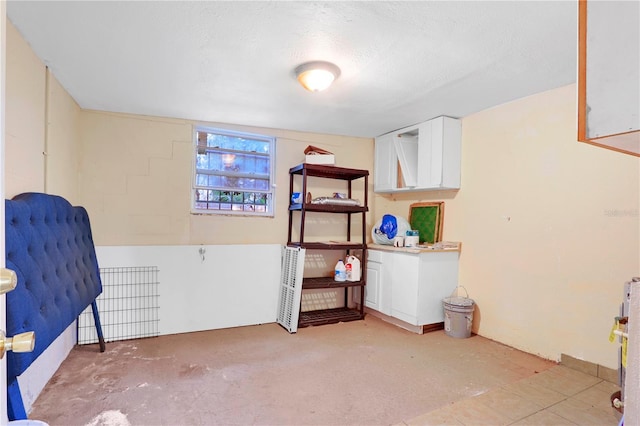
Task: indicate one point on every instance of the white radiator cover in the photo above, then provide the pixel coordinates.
(290, 287)
(205, 287)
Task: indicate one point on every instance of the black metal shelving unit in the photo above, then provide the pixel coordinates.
(303, 172)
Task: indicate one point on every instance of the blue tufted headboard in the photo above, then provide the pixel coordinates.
(50, 247)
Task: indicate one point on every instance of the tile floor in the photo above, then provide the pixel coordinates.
(557, 396)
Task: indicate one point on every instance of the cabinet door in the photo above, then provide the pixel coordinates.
(439, 149)
(406, 146)
(385, 293)
(378, 288)
(438, 278)
(404, 288)
(372, 289)
(386, 164)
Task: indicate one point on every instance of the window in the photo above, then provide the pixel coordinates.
(233, 172)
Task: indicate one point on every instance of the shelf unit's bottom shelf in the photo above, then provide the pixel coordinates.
(329, 316)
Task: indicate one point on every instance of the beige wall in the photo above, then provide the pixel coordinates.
(62, 142)
(25, 117)
(135, 177)
(549, 226)
(41, 118)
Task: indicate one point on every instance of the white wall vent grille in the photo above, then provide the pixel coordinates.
(290, 287)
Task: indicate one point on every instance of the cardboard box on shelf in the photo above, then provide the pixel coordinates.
(315, 155)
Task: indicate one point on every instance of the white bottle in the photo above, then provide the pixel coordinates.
(340, 273)
(353, 268)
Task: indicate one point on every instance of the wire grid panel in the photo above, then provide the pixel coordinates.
(128, 306)
(290, 287)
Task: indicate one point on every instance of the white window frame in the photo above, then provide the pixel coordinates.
(270, 210)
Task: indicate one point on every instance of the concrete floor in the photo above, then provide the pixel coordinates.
(357, 373)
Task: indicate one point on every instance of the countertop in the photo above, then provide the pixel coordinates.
(450, 246)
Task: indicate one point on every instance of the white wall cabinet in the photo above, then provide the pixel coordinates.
(410, 286)
(422, 157)
(609, 75)
(385, 167)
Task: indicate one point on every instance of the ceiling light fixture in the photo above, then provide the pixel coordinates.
(317, 75)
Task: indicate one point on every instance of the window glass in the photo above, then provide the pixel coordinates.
(233, 172)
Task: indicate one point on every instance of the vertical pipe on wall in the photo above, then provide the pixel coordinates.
(45, 152)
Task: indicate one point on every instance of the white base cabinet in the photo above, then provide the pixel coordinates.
(410, 286)
(372, 292)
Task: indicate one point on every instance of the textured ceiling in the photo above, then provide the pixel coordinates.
(232, 62)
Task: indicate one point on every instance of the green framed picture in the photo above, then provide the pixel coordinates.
(427, 218)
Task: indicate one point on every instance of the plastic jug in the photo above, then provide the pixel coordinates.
(340, 273)
(353, 268)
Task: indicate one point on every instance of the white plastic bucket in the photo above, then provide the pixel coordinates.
(458, 314)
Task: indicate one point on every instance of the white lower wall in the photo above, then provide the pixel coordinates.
(226, 286)
(35, 378)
